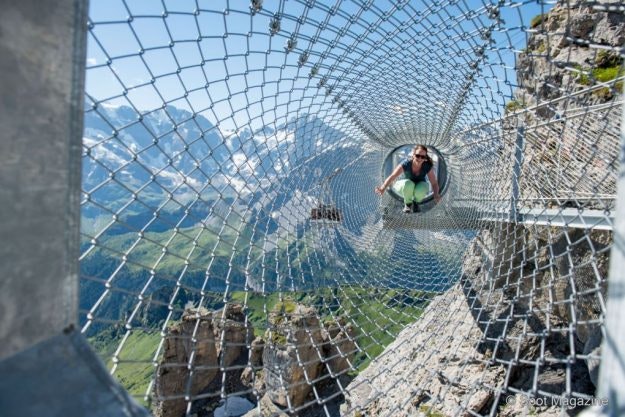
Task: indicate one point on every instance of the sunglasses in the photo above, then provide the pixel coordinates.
(421, 156)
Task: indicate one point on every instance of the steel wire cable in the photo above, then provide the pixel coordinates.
(230, 156)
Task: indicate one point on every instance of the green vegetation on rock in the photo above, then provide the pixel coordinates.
(537, 20)
(607, 74)
(601, 74)
(287, 306)
(275, 336)
(542, 47)
(606, 93)
(430, 411)
(606, 59)
(582, 75)
(514, 105)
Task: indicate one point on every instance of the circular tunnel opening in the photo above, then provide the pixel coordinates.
(403, 152)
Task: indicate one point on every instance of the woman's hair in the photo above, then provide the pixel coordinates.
(418, 147)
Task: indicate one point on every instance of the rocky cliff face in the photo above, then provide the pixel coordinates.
(558, 60)
(293, 355)
(299, 349)
(566, 94)
(498, 332)
(233, 335)
(205, 342)
(277, 371)
(299, 353)
(193, 337)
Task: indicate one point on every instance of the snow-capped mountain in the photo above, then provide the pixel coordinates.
(172, 158)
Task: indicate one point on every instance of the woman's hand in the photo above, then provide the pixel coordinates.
(387, 182)
(437, 198)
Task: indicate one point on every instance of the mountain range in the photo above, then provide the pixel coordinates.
(175, 162)
(167, 172)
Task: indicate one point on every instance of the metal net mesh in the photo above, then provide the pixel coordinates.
(235, 257)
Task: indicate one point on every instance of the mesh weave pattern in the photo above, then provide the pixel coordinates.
(213, 129)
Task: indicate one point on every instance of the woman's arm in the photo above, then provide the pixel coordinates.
(434, 183)
(396, 173)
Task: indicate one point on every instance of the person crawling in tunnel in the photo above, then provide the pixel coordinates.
(413, 186)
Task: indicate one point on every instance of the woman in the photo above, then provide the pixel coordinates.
(413, 187)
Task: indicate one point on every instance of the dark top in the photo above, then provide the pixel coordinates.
(426, 166)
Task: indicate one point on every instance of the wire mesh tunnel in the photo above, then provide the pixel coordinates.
(214, 129)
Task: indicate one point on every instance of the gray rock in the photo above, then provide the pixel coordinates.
(477, 402)
(581, 261)
(340, 350)
(580, 25)
(247, 376)
(254, 379)
(292, 354)
(232, 334)
(172, 374)
(611, 29)
(256, 355)
(438, 352)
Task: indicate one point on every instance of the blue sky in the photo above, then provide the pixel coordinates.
(146, 53)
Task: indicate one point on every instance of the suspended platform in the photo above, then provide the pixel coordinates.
(445, 218)
(463, 218)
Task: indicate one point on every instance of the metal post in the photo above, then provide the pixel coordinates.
(516, 173)
(612, 372)
(42, 50)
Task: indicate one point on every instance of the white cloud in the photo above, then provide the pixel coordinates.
(239, 185)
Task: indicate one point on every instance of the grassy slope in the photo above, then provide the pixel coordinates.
(193, 243)
(134, 370)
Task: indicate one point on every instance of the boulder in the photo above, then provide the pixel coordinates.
(254, 380)
(247, 376)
